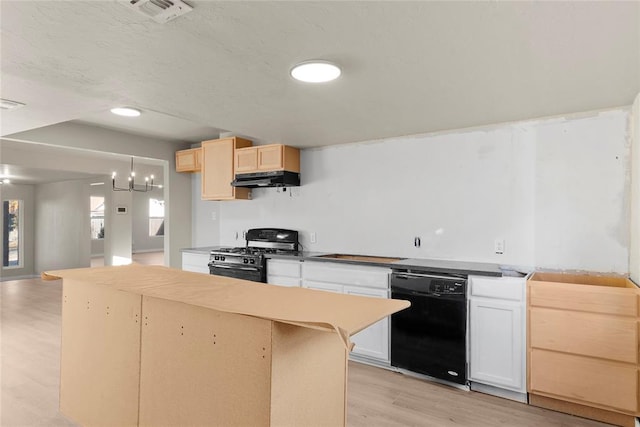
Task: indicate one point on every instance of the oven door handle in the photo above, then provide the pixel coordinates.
(231, 267)
(427, 276)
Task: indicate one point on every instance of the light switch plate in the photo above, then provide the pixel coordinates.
(313, 237)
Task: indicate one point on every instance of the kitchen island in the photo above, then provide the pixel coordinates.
(152, 345)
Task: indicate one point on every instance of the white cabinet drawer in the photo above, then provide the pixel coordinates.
(283, 281)
(374, 277)
(278, 267)
(508, 288)
(322, 286)
(198, 263)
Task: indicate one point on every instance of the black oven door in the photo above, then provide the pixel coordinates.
(254, 274)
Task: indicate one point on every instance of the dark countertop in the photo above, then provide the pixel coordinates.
(416, 264)
(445, 266)
(203, 250)
(431, 265)
(301, 256)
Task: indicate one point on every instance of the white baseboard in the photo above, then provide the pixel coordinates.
(9, 278)
(134, 252)
(500, 392)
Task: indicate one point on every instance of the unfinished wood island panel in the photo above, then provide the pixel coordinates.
(218, 169)
(151, 345)
(583, 345)
(100, 338)
(189, 160)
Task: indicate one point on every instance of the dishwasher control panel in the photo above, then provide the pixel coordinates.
(447, 287)
(429, 283)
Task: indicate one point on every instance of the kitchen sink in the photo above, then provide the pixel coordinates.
(361, 258)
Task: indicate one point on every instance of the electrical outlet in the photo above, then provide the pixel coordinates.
(313, 237)
(498, 245)
(416, 242)
(214, 216)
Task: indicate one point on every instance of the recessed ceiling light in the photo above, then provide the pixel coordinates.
(126, 111)
(315, 72)
(6, 181)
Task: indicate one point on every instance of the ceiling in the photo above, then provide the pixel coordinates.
(408, 67)
(30, 163)
(28, 175)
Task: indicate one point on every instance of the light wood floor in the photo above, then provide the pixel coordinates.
(145, 258)
(30, 367)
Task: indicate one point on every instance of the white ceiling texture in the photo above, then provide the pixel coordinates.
(408, 67)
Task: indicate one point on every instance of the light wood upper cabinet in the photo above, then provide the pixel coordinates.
(189, 160)
(218, 169)
(246, 160)
(267, 158)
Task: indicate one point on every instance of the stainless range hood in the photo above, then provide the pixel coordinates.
(267, 179)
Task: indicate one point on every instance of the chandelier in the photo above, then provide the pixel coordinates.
(132, 186)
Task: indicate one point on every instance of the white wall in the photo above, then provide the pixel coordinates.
(205, 228)
(97, 245)
(26, 193)
(142, 242)
(62, 226)
(554, 190)
(634, 247)
(177, 186)
(118, 228)
(582, 194)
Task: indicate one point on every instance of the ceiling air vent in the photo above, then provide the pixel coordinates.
(160, 10)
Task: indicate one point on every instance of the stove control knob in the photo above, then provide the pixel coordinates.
(253, 261)
(246, 261)
(216, 257)
(221, 258)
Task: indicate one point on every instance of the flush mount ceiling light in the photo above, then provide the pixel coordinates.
(5, 181)
(126, 111)
(315, 71)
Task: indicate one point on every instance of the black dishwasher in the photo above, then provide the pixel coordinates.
(430, 336)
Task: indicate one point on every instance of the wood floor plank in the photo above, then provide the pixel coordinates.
(30, 368)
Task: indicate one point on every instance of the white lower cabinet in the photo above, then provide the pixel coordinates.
(496, 341)
(284, 272)
(372, 343)
(497, 336)
(196, 262)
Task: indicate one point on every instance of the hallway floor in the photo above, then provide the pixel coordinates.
(145, 258)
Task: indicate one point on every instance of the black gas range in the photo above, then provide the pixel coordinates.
(249, 262)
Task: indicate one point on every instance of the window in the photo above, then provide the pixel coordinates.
(97, 217)
(156, 217)
(12, 233)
